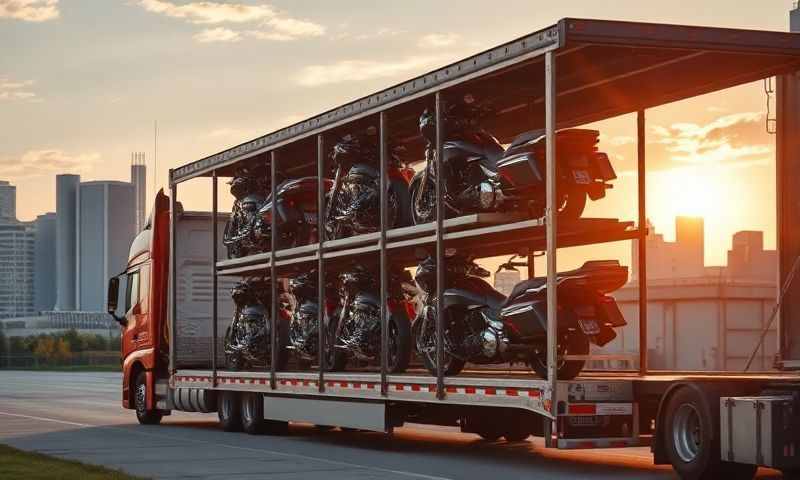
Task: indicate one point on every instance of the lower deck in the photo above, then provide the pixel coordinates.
(516, 389)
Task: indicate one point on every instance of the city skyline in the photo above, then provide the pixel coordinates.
(701, 157)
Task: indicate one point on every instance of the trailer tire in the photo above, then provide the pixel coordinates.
(229, 411)
(143, 415)
(691, 437)
(252, 413)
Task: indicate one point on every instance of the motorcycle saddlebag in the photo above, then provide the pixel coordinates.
(527, 319)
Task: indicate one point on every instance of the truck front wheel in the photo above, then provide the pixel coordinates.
(145, 416)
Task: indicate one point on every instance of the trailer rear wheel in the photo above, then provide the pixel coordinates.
(229, 410)
(691, 437)
(252, 411)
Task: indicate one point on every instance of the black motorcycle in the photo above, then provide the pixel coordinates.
(250, 188)
(481, 176)
(483, 326)
(296, 207)
(304, 323)
(358, 324)
(354, 201)
(247, 338)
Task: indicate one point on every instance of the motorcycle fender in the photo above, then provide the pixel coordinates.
(610, 312)
(526, 319)
(596, 190)
(460, 297)
(606, 335)
(286, 213)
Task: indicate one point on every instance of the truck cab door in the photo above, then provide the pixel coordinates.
(136, 332)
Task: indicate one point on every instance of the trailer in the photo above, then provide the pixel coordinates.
(569, 74)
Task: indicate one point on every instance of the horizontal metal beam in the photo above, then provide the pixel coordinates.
(505, 55)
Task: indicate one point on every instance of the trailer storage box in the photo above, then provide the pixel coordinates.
(760, 430)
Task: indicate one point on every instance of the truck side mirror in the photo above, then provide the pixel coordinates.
(112, 299)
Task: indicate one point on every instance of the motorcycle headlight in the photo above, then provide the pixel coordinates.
(487, 195)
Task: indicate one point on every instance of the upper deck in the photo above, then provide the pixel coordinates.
(606, 68)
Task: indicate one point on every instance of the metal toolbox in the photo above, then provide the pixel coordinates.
(760, 431)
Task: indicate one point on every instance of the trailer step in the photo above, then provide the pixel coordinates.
(587, 443)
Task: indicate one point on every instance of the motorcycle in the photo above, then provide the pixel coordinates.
(354, 202)
(358, 325)
(296, 207)
(249, 188)
(247, 338)
(481, 176)
(483, 326)
(304, 323)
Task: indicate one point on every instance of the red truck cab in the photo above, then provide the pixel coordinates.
(143, 316)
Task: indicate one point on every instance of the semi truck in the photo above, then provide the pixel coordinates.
(176, 301)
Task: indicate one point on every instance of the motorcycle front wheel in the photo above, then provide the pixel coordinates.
(400, 343)
(426, 348)
(569, 343)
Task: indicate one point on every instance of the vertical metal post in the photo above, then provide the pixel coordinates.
(384, 185)
(273, 277)
(322, 320)
(531, 266)
(550, 161)
(642, 239)
(214, 279)
(439, 248)
(173, 263)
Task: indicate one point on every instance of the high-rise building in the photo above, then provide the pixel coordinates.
(8, 201)
(139, 181)
(106, 227)
(44, 263)
(16, 258)
(66, 237)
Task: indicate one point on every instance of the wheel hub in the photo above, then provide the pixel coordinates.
(687, 433)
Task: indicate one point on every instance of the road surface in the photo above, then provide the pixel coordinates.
(78, 416)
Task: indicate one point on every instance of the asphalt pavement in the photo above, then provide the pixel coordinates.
(79, 416)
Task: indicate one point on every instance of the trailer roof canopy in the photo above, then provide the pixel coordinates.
(604, 69)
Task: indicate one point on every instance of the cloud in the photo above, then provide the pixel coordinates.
(360, 70)
(380, 33)
(438, 40)
(210, 12)
(219, 34)
(727, 138)
(29, 10)
(39, 162)
(16, 90)
(266, 23)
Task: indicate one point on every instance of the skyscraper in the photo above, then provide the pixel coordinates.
(106, 227)
(16, 257)
(8, 201)
(66, 237)
(139, 181)
(44, 263)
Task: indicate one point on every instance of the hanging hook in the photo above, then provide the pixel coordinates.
(771, 122)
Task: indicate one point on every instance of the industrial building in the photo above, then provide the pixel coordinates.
(106, 226)
(701, 318)
(66, 237)
(44, 262)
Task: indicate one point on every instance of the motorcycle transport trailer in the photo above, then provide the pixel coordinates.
(572, 73)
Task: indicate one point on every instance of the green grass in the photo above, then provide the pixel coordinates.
(70, 368)
(16, 464)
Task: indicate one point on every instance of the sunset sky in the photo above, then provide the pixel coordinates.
(81, 84)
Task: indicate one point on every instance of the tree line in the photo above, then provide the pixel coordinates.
(56, 348)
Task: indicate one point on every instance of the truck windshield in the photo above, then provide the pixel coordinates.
(131, 290)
